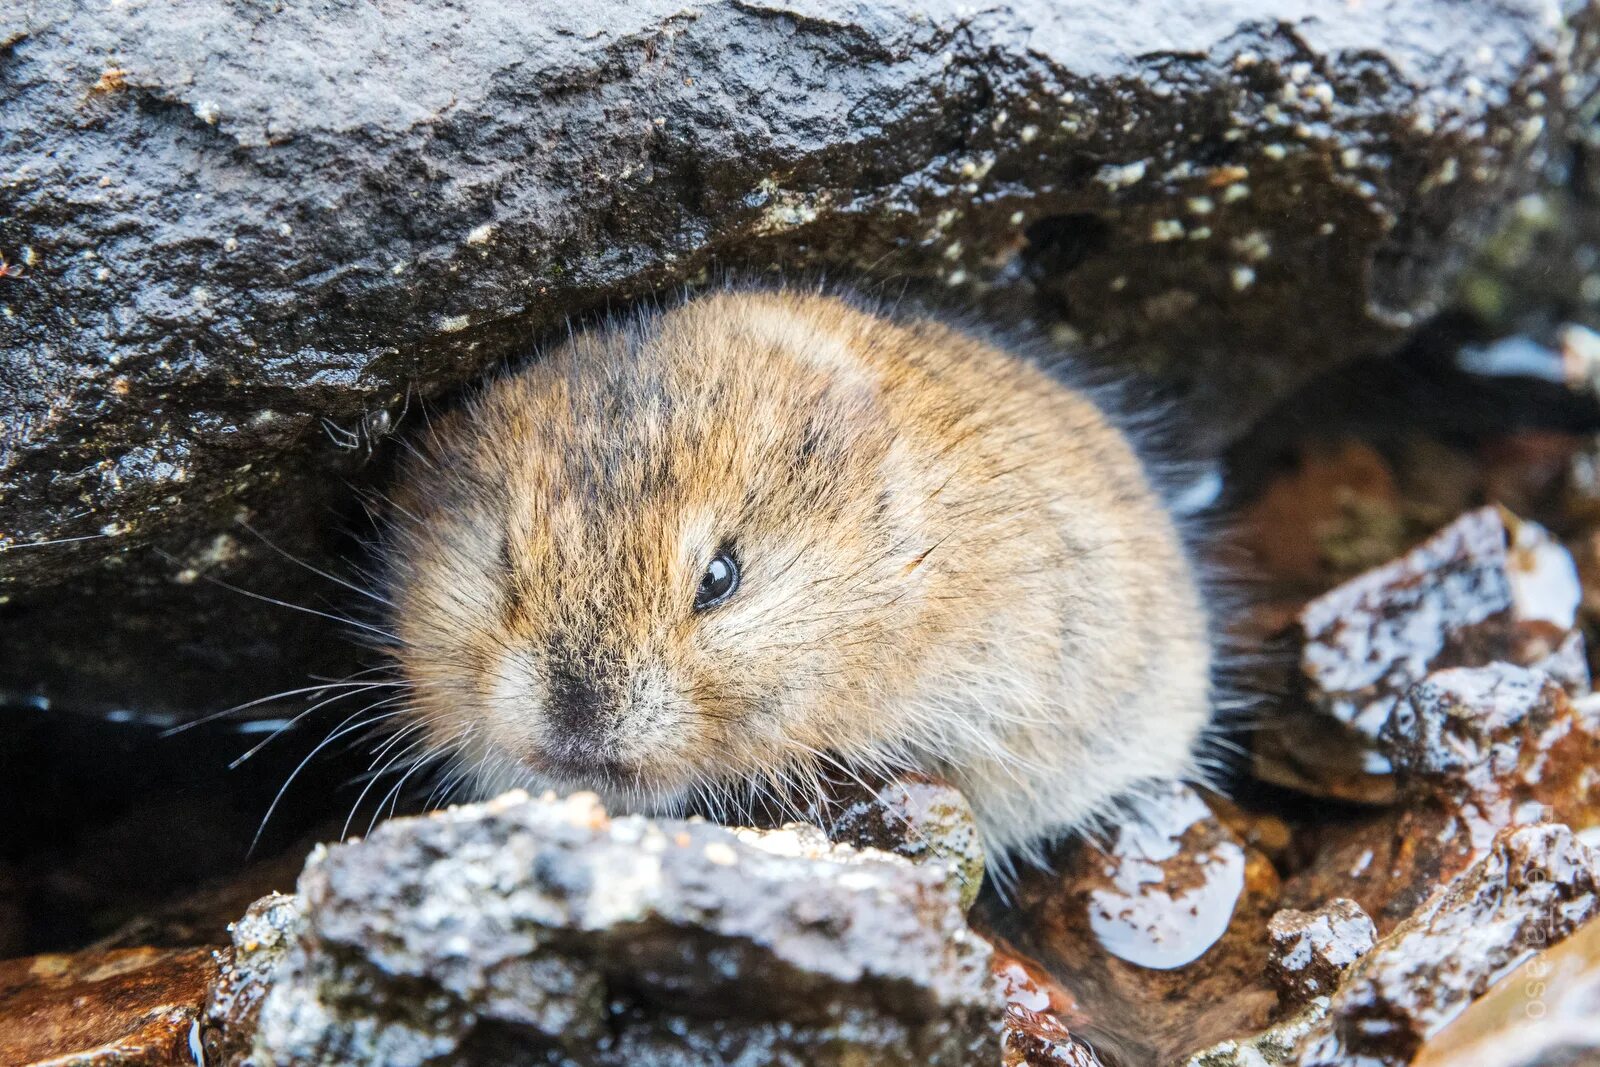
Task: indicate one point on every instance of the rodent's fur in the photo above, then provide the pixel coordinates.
(950, 561)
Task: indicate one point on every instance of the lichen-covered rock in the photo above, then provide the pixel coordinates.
(524, 931)
(919, 818)
(1486, 588)
(1311, 950)
(262, 937)
(243, 241)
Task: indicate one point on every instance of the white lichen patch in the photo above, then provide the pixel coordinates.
(786, 209)
(1166, 230)
(1253, 246)
(1114, 176)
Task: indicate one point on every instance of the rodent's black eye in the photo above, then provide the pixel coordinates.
(718, 583)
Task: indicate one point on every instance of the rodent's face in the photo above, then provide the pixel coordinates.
(658, 559)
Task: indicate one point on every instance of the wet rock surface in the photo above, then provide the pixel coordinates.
(261, 940)
(919, 818)
(1035, 1035)
(1545, 1013)
(1158, 930)
(232, 275)
(1486, 588)
(127, 1008)
(1535, 886)
(228, 280)
(533, 931)
(1311, 950)
(1477, 749)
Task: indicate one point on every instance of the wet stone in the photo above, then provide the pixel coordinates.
(1489, 730)
(1312, 950)
(918, 818)
(1239, 200)
(1168, 886)
(1158, 927)
(126, 1008)
(545, 931)
(261, 940)
(1535, 886)
(1489, 587)
(1475, 750)
(1035, 1035)
(1546, 1013)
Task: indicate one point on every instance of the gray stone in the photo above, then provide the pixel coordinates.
(246, 242)
(542, 931)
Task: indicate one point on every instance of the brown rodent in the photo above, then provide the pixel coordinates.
(723, 545)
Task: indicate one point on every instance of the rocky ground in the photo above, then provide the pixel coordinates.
(1402, 870)
(1356, 245)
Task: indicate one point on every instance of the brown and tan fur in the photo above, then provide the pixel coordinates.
(949, 561)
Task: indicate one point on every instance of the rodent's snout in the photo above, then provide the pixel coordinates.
(583, 720)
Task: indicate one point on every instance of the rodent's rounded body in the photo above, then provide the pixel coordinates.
(946, 560)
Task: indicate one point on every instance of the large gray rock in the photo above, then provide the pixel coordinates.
(542, 931)
(250, 232)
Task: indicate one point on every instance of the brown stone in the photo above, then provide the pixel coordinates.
(1035, 1034)
(1534, 886)
(1311, 950)
(1486, 588)
(1475, 750)
(1158, 928)
(128, 1008)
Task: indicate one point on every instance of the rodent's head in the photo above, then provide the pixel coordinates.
(672, 552)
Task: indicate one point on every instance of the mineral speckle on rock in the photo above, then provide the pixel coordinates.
(1486, 588)
(261, 940)
(1312, 950)
(524, 930)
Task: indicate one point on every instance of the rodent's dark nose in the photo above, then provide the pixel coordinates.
(576, 698)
